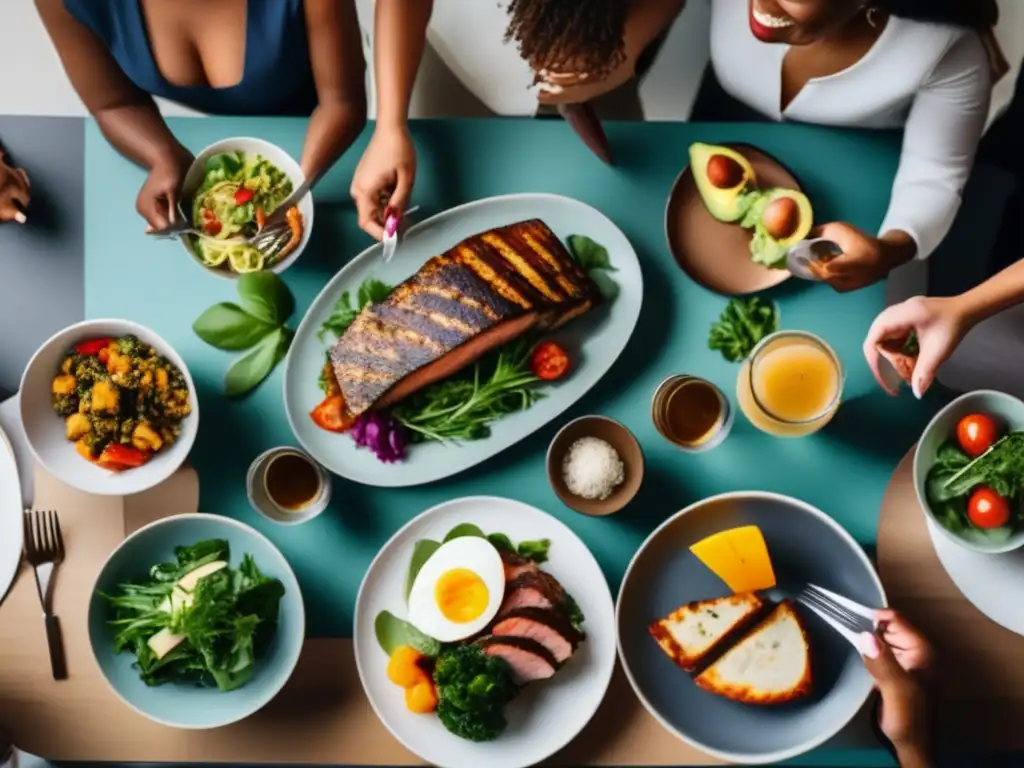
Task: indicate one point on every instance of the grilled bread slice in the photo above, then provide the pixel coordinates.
(770, 665)
(691, 633)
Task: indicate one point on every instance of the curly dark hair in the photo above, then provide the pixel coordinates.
(569, 35)
(964, 13)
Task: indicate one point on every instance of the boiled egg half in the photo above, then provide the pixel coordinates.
(458, 590)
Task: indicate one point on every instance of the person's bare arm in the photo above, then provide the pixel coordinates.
(127, 116)
(1003, 290)
(336, 53)
(400, 34)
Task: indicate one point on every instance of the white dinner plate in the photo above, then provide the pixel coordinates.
(975, 573)
(10, 516)
(546, 715)
(593, 341)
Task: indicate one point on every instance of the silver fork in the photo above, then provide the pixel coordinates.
(275, 231)
(850, 619)
(44, 550)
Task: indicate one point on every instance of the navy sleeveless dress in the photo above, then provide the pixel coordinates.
(277, 79)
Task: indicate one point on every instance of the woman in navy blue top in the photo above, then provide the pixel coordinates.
(235, 57)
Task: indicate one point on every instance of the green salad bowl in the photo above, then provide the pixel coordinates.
(1008, 411)
(184, 705)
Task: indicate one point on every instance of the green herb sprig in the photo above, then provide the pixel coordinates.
(593, 258)
(463, 406)
(742, 324)
(348, 307)
(258, 325)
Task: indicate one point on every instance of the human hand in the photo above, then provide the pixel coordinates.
(15, 192)
(864, 260)
(384, 178)
(904, 715)
(939, 323)
(158, 199)
(580, 87)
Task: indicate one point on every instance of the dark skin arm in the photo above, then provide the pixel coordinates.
(127, 116)
(336, 53)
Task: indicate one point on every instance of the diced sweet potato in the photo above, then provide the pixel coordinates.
(64, 385)
(77, 425)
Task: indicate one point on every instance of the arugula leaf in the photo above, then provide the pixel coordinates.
(227, 326)
(537, 551)
(951, 457)
(464, 529)
(347, 308)
(463, 406)
(1001, 468)
(392, 632)
(742, 324)
(249, 370)
(265, 296)
(421, 552)
(501, 542)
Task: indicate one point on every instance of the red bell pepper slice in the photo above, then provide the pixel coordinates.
(117, 457)
(92, 347)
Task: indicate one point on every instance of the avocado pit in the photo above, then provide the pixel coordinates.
(781, 218)
(724, 172)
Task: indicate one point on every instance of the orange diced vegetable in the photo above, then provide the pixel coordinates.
(404, 667)
(421, 698)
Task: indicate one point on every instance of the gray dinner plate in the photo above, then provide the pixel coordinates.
(805, 546)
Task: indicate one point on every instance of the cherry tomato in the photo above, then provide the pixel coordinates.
(976, 433)
(987, 509)
(213, 228)
(208, 215)
(549, 361)
(243, 196)
(332, 415)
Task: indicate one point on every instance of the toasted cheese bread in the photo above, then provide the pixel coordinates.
(770, 665)
(689, 634)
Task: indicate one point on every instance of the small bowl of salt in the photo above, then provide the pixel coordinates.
(595, 465)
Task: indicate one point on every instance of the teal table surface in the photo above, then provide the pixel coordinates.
(842, 470)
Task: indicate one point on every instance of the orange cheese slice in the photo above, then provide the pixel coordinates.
(739, 557)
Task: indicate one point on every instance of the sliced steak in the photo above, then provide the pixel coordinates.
(528, 659)
(532, 589)
(547, 626)
(516, 566)
(482, 294)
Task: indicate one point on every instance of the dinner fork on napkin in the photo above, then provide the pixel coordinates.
(44, 550)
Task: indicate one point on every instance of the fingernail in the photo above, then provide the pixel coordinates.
(915, 387)
(869, 645)
(20, 217)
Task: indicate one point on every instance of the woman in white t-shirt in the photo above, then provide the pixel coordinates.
(916, 64)
(541, 51)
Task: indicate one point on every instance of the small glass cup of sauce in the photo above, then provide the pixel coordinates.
(691, 413)
(287, 486)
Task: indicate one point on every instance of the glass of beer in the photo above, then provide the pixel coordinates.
(791, 385)
(691, 413)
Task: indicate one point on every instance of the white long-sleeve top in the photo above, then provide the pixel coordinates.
(931, 78)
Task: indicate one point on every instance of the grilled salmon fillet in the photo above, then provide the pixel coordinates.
(690, 634)
(771, 665)
(482, 294)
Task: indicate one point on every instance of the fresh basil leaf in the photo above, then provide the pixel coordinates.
(464, 529)
(609, 288)
(421, 552)
(249, 370)
(392, 632)
(372, 290)
(227, 326)
(501, 542)
(265, 296)
(537, 551)
(589, 254)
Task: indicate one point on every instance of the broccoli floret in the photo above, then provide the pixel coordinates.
(65, 405)
(473, 689)
(130, 346)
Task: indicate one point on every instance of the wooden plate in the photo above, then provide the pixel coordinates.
(715, 254)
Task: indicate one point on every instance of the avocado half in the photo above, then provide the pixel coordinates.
(724, 178)
(780, 218)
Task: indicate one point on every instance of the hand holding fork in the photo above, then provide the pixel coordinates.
(44, 550)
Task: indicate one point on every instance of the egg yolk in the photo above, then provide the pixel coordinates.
(461, 595)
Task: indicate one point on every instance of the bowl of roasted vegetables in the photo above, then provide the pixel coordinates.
(969, 471)
(231, 191)
(109, 407)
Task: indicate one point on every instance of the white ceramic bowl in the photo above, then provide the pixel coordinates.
(1005, 408)
(279, 158)
(259, 499)
(45, 429)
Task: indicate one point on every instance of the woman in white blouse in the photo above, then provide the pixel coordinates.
(917, 64)
(542, 51)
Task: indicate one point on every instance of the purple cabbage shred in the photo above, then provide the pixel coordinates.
(382, 434)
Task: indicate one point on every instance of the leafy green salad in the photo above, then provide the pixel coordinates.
(237, 194)
(976, 484)
(197, 620)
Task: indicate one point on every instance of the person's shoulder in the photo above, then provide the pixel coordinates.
(96, 15)
(939, 43)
